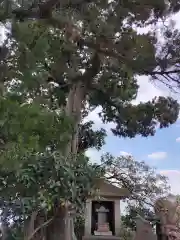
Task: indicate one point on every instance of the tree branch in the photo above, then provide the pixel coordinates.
(162, 72)
(45, 224)
(168, 78)
(44, 11)
(77, 4)
(50, 4)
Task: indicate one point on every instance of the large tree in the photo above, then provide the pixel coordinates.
(91, 50)
(67, 58)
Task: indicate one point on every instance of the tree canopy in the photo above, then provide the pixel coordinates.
(59, 60)
(54, 41)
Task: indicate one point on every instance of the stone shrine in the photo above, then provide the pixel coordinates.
(102, 215)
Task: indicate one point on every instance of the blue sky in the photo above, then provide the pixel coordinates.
(161, 151)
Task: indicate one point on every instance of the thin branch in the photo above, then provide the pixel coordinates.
(43, 11)
(50, 4)
(168, 78)
(162, 72)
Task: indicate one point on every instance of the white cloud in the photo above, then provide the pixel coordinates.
(2, 33)
(94, 155)
(147, 90)
(176, 19)
(94, 116)
(173, 180)
(125, 153)
(157, 155)
(178, 139)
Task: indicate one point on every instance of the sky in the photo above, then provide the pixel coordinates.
(161, 151)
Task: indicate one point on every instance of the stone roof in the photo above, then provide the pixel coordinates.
(107, 189)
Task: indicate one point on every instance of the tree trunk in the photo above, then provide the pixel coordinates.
(29, 225)
(74, 106)
(56, 230)
(4, 230)
(76, 98)
(62, 226)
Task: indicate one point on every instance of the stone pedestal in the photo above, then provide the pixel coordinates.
(100, 238)
(103, 228)
(117, 217)
(88, 211)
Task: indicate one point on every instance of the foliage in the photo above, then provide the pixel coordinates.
(79, 226)
(35, 175)
(24, 131)
(90, 138)
(126, 233)
(143, 182)
(129, 220)
(51, 179)
(58, 62)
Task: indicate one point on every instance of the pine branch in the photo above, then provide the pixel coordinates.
(44, 11)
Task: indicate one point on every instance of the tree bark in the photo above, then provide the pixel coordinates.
(76, 98)
(29, 225)
(4, 230)
(58, 228)
(74, 105)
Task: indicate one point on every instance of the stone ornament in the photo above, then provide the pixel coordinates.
(102, 224)
(168, 211)
(144, 230)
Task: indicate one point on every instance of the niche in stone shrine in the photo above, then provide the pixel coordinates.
(102, 212)
(102, 218)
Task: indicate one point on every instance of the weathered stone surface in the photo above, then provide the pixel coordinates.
(168, 211)
(101, 238)
(144, 230)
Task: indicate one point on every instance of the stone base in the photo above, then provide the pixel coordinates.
(97, 233)
(92, 237)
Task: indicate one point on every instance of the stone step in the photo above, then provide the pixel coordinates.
(100, 238)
